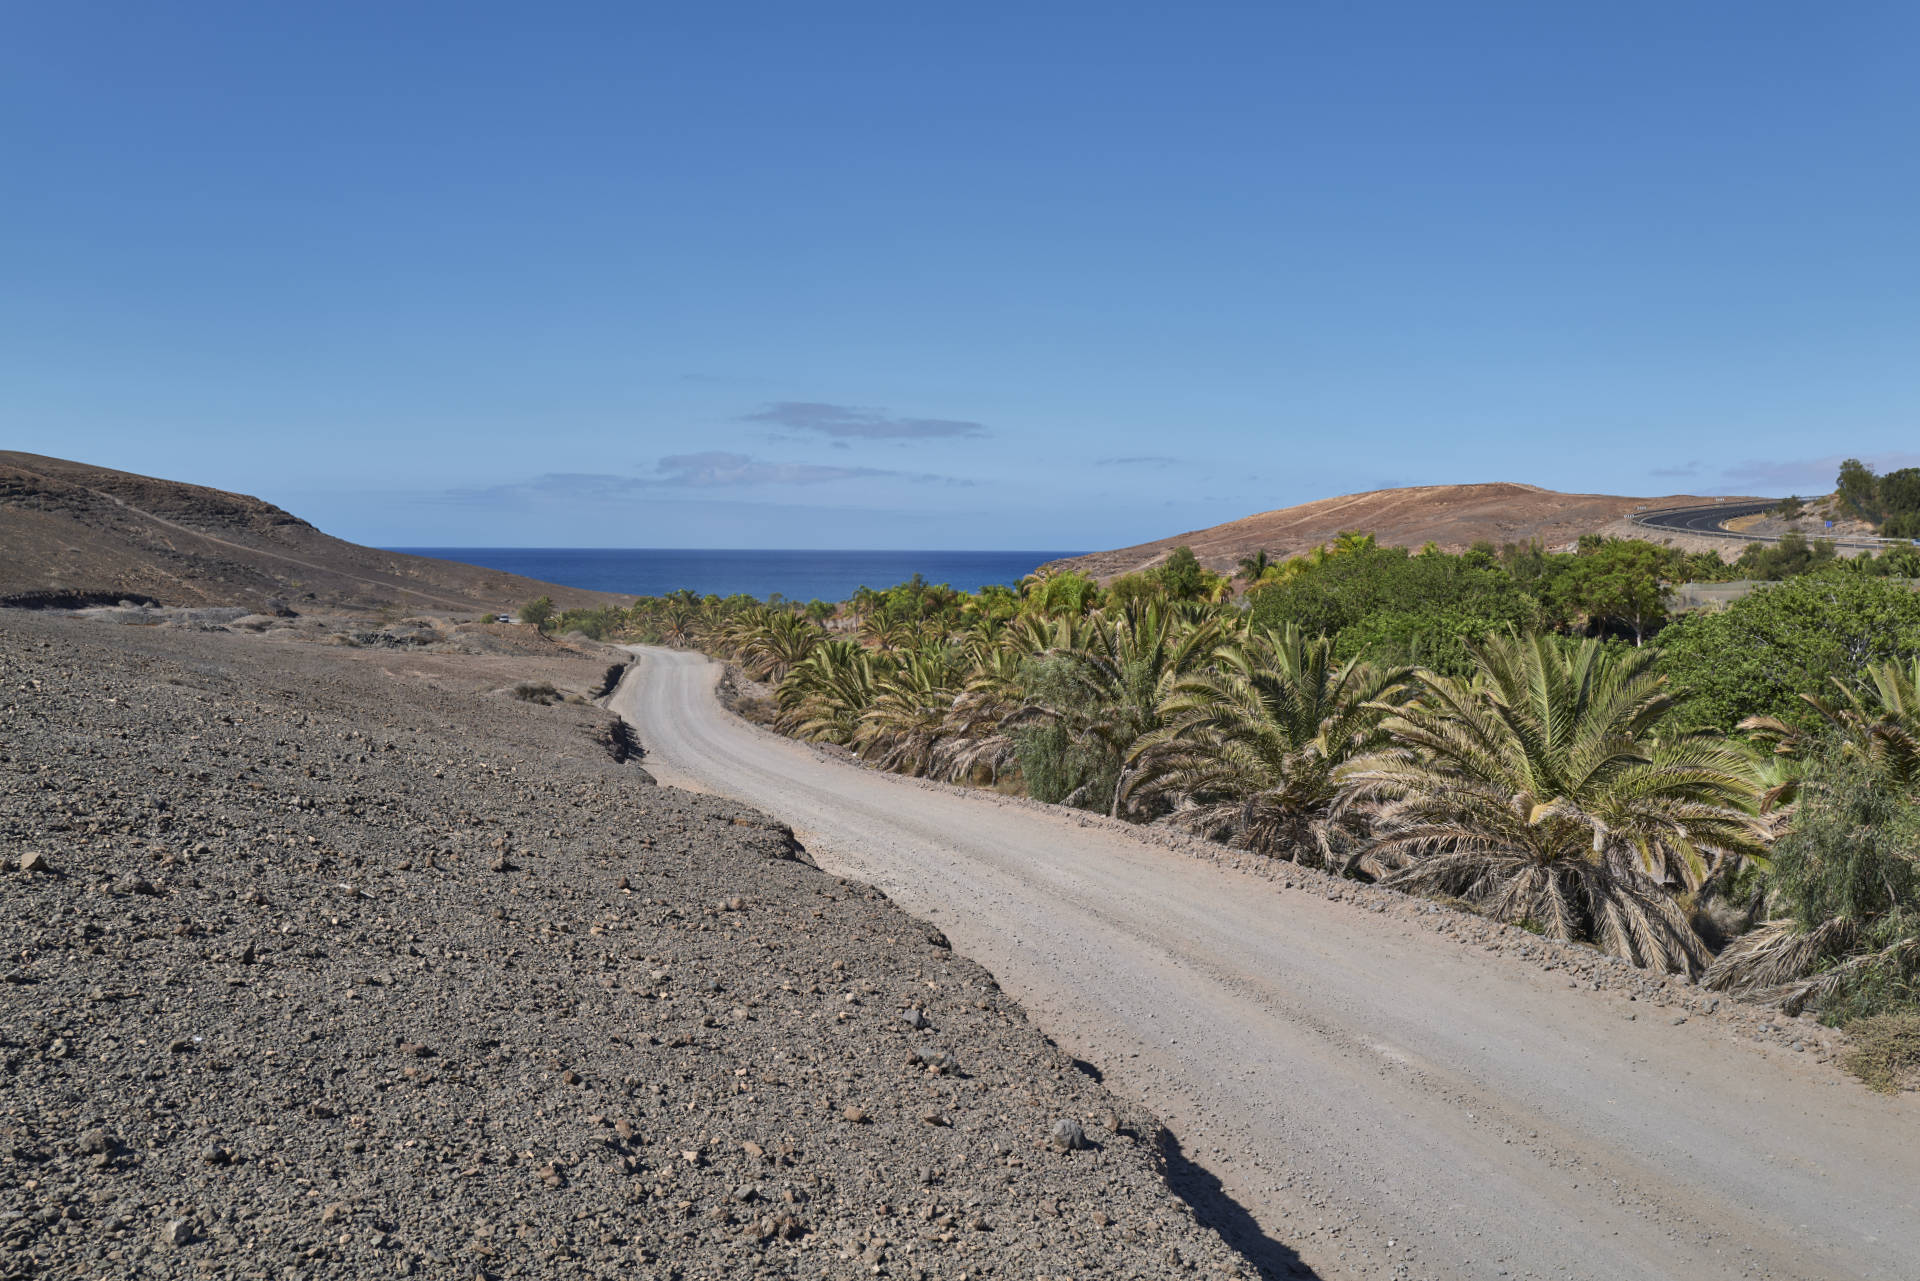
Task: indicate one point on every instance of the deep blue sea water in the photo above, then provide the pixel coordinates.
(797, 575)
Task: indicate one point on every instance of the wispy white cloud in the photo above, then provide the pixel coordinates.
(1807, 475)
(710, 469)
(717, 469)
(861, 422)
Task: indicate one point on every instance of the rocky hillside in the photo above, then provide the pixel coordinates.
(75, 534)
(1453, 516)
(325, 961)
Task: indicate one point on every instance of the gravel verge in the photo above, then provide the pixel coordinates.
(332, 959)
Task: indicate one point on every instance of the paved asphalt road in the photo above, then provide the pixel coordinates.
(1709, 521)
(1706, 520)
(1387, 1101)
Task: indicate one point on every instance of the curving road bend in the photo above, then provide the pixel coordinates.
(1707, 520)
(1711, 521)
(1383, 1100)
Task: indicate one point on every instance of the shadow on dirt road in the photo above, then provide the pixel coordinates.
(1211, 1203)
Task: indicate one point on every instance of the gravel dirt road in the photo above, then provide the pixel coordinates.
(1387, 1100)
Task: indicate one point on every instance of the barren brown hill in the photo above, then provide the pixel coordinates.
(71, 533)
(1453, 516)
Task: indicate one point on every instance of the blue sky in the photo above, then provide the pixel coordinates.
(1024, 276)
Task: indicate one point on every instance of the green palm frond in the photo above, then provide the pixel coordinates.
(1543, 790)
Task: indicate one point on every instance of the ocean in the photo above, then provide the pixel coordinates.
(796, 575)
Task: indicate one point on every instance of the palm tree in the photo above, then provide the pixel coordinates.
(775, 642)
(1255, 742)
(974, 734)
(864, 601)
(1350, 542)
(901, 728)
(1878, 718)
(825, 694)
(1542, 791)
(885, 632)
(1054, 593)
(680, 623)
(1252, 567)
(1122, 676)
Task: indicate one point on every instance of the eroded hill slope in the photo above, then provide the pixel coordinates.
(73, 532)
(1453, 516)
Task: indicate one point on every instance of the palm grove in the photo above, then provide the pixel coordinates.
(1521, 732)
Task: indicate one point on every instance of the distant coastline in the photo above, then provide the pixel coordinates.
(794, 575)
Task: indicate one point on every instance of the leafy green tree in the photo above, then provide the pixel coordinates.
(538, 611)
(1899, 491)
(1764, 652)
(1130, 590)
(679, 623)
(864, 601)
(1790, 507)
(1622, 581)
(1528, 563)
(1396, 609)
(1550, 792)
(1703, 567)
(1857, 489)
(1792, 555)
(824, 695)
(995, 601)
(1181, 575)
(776, 644)
(1058, 765)
(1351, 542)
(901, 728)
(1894, 562)
(596, 623)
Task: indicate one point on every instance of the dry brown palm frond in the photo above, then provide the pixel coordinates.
(959, 759)
(1778, 954)
(1817, 990)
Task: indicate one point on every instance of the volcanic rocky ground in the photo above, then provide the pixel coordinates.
(342, 960)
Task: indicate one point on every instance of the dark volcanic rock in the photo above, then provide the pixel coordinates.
(276, 1013)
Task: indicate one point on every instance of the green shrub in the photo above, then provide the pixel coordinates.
(1844, 898)
(1393, 608)
(1757, 656)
